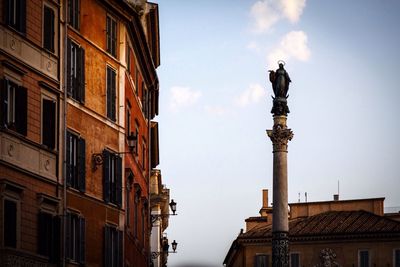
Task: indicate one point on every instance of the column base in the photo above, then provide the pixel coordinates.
(280, 249)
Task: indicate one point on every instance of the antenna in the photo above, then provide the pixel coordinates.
(299, 197)
(338, 187)
(305, 195)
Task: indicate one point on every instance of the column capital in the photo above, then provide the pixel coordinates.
(280, 135)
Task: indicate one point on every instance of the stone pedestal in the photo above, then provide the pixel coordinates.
(280, 135)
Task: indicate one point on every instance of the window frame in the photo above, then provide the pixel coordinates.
(17, 20)
(396, 250)
(49, 97)
(111, 35)
(113, 242)
(111, 93)
(368, 259)
(298, 258)
(259, 256)
(75, 71)
(76, 161)
(74, 11)
(53, 39)
(112, 178)
(76, 237)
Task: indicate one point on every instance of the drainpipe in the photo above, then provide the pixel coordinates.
(64, 151)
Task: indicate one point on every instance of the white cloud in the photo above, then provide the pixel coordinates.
(265, 13)
(183, 97)
(292, 9)
(293, 45)
(253, 94)
(216, 110)
(253, 45)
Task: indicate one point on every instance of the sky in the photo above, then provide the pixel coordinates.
(215, 103)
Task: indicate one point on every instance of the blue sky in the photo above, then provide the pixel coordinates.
(215, 102)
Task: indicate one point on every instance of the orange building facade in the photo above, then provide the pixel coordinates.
(78, 94)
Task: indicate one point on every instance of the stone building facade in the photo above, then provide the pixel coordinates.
(79, 91)
(327, 233)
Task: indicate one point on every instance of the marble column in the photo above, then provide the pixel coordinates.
(280, 135)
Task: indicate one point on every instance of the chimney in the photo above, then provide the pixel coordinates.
(265, 198)
(336, 197)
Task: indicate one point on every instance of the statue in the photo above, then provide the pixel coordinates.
(327, 257)
(280, 85)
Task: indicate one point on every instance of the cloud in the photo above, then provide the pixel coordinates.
(265, 13)
(215, 110)
(183, 97)
(293, 45)
(292, 9)
(253, 94)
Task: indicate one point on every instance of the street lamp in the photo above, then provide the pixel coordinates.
(165, 249)
(172, 205)
(174, 245)
(155, 217)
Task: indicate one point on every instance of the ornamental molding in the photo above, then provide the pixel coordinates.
(280, 135)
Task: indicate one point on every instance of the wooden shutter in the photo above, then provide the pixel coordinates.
(48, 29)
(21, 110)
(81, 76)
(81, 165)
(49, 123)
(106, 176)
(113, 95)
(107, 247)
(82, 239)
(42, 237)
(120, 247)
(69, 63)
(21, 24)
(7, 11)
(118, 174)
(68, 240)
(56, 245)
(109, 93)
(3, 102)
(108, 37)
(77, 15)
(68, 159)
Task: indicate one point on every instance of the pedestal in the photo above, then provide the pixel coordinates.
(280, 135)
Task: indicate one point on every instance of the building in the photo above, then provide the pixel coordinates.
(327, 233)
(79, 91)
(30, 133)
(160, 199)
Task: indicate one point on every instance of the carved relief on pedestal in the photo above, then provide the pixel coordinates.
(280, 249)
(280, 135)
(327, 258)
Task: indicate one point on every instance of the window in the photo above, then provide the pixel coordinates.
(136, 149)
(128, 58)
(396, 258)
(261, 261)
(143, 154)
(128, 119)
(136, 214)
(111, 94)
(111, 36)
(49, 227)
(10, 223)
(112, 247)
(48, 28)
(294, 260)
(76, 71)
(73, 13)
(76, 169)
(143, 216)
(112, 178)
(145, 103)
(75, 239)
(363, 258)
(49, 122)
(13, 113)
(15, 14)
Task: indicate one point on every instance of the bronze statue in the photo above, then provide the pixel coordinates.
(280, 85)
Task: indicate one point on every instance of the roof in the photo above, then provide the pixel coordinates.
(332, 223)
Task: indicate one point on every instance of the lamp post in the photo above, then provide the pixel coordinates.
(280, 135)
(155, 217)
(165, 250)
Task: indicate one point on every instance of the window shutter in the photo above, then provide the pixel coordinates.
(120, 246)
(113, 95)
(3, 102)
(42, 237)
(118, 174)
(69, 169)
(49, 123)
(56, 245)
(82, 239)
(7, 11)
(108, 34)
(109, 93)
(21, 110)
(106, 176)
(77, 14)
(107, 247)
(81, 76)
(68, 244)
(48, 29)
(69, 63)
(81, 165)
(21, 5)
